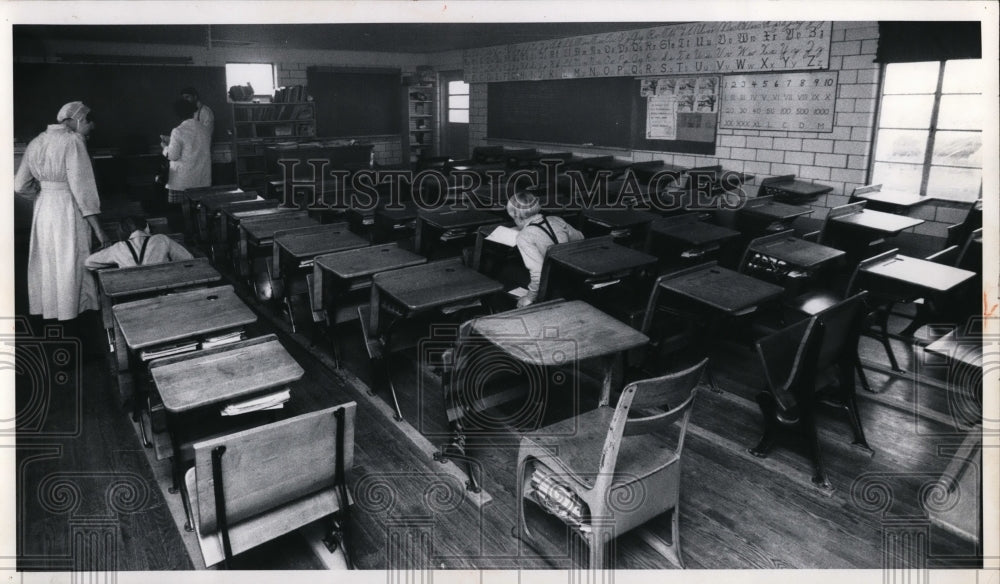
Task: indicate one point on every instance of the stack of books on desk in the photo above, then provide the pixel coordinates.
(220, 340)
(271, 401)
(168, 351)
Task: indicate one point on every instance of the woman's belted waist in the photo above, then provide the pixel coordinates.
(53, 185)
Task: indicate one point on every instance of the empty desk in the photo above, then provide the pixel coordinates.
(686, 238)
(788, 189)
(207, 205)
(394, 223)
(338, 275)
(626, 226)
(889, 201)
(191, 198)
(904, 275)
(216, 377)
(762, 215)
(782, 256)
(256, 237)
(445, 286)
(877, 222)
(718, 289)
(862, 232)
(449, 226)
(549, 334)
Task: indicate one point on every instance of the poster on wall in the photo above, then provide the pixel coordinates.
(668, 99)
(792, 102)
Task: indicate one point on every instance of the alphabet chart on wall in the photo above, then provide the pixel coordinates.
(791, 102)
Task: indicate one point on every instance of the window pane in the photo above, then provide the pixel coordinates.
(965, 76)
(258, 75)
(459, 101)
(910, 78)
(460, 116)
(958, 149)
(960, 184)
(901, 146)
(458, 88)
(906, 111)
(898, 177)
(961, 112)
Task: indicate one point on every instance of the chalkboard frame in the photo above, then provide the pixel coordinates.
(513, 113)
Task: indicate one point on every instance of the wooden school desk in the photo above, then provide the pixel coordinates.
(394, 223)
(191, 198)
(788, 189)
(905, 275)
(124, 284)
(875, 222)
(448, 225)
(257, 235)
(890, 201)
(626, 226)
(152, 323)
(409, 292)
(862, 232)
(783, 252)
(548, 334)
(685, 238)
(589, 264)
(338, 275)
(218, 230)
(761, 215)
(718, 289)
(294, 251)
(207, 206)
(215, 377)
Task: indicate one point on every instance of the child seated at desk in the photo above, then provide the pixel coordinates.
(139, 249)
(537, 233)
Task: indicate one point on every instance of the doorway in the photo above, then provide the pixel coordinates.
(455, 121)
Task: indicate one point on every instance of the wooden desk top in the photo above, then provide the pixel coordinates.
(801, 188)
(237, 215)
(264, 227)
(175, 317)
(598, 257)
(155, 277)
(458, 219)
(619, 218)
(196, 195)
(407, 212)
(222, 374)
(881, 222)
(359, 263)
(435, 284)
(798, 252)
(240, 206)
(775, 211)
(923, 274)
(213, 200)
(309, 242)
(890, 198)
(558, 332)
(696, 233)
(720, 288)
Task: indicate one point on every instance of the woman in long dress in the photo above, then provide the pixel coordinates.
(56, 171)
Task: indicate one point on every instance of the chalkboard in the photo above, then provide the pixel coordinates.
(599, 111)
(356, 103)
(131, 104)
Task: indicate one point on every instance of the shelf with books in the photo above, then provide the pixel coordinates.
(256, 125)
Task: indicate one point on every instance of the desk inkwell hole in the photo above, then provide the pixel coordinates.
(212, 297)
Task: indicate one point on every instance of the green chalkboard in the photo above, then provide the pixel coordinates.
(603, 111)
(131, 104)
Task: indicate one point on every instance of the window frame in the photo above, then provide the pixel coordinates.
(256, 93)
(448, 107)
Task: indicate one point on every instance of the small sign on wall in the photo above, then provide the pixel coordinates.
(669, 99)
(791, 102)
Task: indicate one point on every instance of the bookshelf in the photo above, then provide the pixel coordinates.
(259, 125)
(421, 106)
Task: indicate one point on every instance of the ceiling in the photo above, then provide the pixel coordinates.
(388, 37)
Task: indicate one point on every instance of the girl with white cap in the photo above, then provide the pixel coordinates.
(56, 172)
(537, 234)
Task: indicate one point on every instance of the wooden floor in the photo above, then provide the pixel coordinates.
(88, 497)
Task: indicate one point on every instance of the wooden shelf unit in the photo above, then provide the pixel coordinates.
(259, 125)
(419, 138)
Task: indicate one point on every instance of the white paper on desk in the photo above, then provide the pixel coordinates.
(270, 401)
(518, 292)
(504, 235)
(599, 285)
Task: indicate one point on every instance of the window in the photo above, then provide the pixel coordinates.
(260, 76)
(929, 134)
(458, 102)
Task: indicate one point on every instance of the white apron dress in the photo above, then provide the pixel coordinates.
(58, 284)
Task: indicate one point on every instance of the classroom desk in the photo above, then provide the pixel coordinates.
(256, 235)
(686, 238)
(444, 285)
(794, 191)
(764, 215)
(557, 333)
(337, 275)
(794, 253)
(295, 250)
(207, 205)
(624, 225)
(394, 223)
(124, 284)
(877, 222)
(191, 198)
(191, 315)
(448, 225)
(718, 289)
(892, 201)
(904, 274)
(214, 377)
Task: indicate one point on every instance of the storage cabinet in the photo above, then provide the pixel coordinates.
(259, 125)
(421, 106)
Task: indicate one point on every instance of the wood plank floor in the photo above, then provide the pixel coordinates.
(737, 511)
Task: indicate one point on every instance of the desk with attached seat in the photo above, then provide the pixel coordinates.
(448, 225)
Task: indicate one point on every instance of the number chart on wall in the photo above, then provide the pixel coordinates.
(791, 102)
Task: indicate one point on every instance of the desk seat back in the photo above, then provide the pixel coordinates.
(268, 466)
